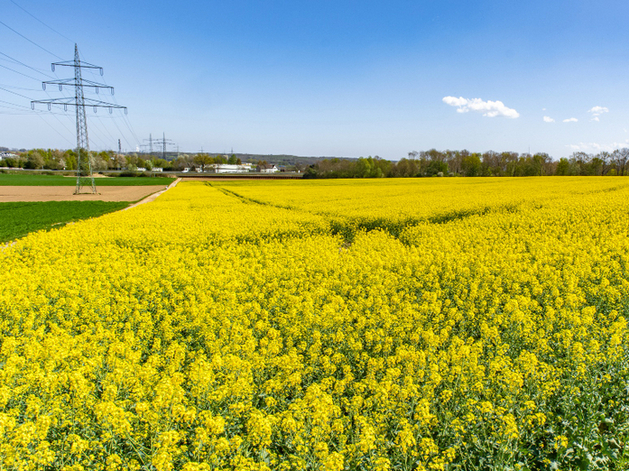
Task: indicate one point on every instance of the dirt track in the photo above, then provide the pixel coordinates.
(65, 193)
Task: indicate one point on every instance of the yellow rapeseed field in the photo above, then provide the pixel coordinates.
(430, 324)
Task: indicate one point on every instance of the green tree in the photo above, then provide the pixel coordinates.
(563, 167)
(471, 165)
(203, 160)
(435, 167)
(34, 160)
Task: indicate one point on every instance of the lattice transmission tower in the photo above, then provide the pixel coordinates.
(164, 142)
(84, 176)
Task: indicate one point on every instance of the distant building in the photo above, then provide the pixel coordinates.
(230, 168)
(158, 169)
(8, 155)
(269, 169)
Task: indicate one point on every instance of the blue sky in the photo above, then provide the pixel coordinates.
(345, 78)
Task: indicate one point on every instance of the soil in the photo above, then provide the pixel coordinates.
(66, 193)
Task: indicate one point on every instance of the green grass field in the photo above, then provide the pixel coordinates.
(21, 179)
(18, 219)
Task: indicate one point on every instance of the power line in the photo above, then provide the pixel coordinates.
(122, 134)
(20, 88)
(30, 112)
(23, 64)
(98, 119)
(13, 70)
(54, 129)
(15, 105)
(124, 118)
(14, 93)
(128, 123)
(32, 42)
(33, 16)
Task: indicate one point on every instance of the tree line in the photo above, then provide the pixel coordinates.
(56, 159)
(418, 164)
(464, 163)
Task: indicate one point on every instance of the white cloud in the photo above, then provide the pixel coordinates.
(598, 110)
(595, 147)
(548, 119)
(570, 120)
(489, 108)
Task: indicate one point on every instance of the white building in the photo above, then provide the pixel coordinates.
(271, 169)
(230, 168)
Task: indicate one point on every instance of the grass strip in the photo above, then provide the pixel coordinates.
(17, 219)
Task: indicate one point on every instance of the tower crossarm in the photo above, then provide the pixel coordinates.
(71, 101)
(73, 64)
(72, 83)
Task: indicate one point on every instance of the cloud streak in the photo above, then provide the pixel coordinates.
(548, 119)
(488, 108)
(570, 120)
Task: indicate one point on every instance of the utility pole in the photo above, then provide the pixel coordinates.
(84, 176)
(150, 144)
(164, 142)
(119, 148)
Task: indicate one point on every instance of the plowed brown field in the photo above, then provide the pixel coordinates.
(65, 193)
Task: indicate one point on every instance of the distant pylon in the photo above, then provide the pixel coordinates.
(82, 141)
(164, 142)
(84, 176)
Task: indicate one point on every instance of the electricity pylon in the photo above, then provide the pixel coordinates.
(84, 176)
(149, 145)
(164, 142)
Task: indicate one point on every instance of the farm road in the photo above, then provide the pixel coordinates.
(152, 197)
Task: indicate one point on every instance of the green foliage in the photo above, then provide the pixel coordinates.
(18, 219)
(563, 167)
(471, 165)
(463, 163)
